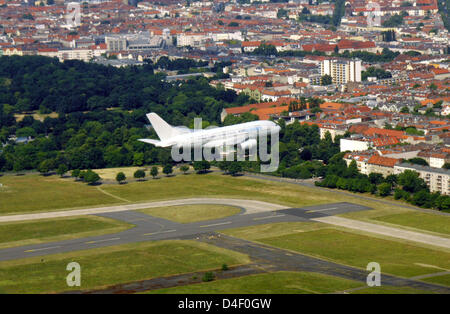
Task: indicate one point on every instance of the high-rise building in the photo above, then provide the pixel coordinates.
(342, 71)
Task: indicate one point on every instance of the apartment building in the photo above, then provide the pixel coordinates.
(341, 71)
(437, 179)
(116, 43)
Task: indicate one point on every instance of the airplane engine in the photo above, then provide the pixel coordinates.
(249, 144)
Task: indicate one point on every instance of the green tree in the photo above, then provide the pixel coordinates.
(234, 168)
(154, 172)
(91, 177)
(201, 166)
(62, 169)
(167, 170)
(326, 80)
(138, 159)
(120, 177)
(384, 189)
(410, 181)
(184, 168)
(75, 173)
(46, 166)
(139, 174)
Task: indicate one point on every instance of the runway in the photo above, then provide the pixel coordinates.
(150, 228)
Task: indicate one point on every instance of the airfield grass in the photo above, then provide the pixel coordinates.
(442, 280)
(110, 173)
(31, 193)
(358, 250)
(439, 224)
(219, 185)
(271, 230)
(192, 213)
(113, 265)
(268, 283)
(390, 290)
(47, 230)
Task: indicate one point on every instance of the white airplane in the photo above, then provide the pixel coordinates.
(243, 134)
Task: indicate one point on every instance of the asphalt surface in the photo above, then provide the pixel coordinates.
(149, 228)
(264, 259)
(250, 207)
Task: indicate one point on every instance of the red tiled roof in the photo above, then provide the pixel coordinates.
(383, 161)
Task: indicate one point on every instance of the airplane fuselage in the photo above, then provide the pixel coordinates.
(233, 134)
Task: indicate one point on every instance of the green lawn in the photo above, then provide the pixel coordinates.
(218, 185)
(442, 280)
(30, 193)
(192, 213)
(434, 223)
(269, 283)
(113, 265)
(358, 250)
(46, 230)
(254, 233)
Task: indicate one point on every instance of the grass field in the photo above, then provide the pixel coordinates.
(192, 213)
(46, 230)
(420, 221)
(255, 233)
(442, 280)
(113, 265)
(269, 283)
(358, 250)
(32, 193)
(110, 173)
(390, 290)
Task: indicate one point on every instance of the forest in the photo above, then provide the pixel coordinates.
(100, 112)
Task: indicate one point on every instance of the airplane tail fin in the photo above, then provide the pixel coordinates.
(162, 128)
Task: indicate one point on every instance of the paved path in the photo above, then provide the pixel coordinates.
(387, 231)
(250, 207)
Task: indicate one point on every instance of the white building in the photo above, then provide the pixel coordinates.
(342, 72)
(353, 145)
(437, 179)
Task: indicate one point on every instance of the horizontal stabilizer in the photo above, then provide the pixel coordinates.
(149, 141)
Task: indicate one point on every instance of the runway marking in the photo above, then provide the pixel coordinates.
(165, 231)
(267, 217)
(98, 241)
(45, 248)
(218, 224)
(321, 210)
